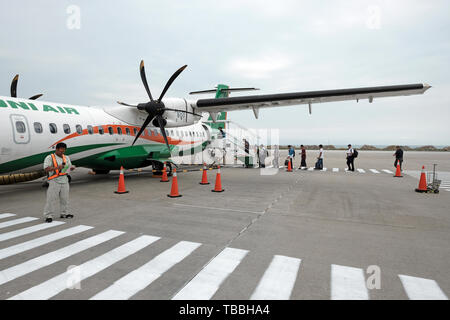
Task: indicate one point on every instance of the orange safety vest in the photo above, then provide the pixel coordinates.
(55, 164)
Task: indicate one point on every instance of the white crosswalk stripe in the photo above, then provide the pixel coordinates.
(28, 245)
(311, 169)
(348, 283)
(207, 282)
(422, 289)
(16, 221)
(374, 170)
(142, 277)
(361, 170)
(324, 169)
(24, 231)
(55, 256)
(278, 280)
(335, 169)
(445, 185)
(388, 171)
(52, 287)
(6, 215)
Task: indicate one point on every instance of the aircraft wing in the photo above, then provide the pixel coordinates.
(309, 97)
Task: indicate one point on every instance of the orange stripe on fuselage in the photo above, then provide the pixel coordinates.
(159, 138)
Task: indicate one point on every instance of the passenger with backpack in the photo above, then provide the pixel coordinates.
(303, 161)
(291, 155)
(351, 155)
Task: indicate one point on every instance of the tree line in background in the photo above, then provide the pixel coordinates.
(369, 147)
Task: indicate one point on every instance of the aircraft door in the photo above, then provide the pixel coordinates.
(21, 129)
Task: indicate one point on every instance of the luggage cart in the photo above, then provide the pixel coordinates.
(434, 184)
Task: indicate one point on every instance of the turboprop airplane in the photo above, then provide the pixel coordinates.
(135, 136)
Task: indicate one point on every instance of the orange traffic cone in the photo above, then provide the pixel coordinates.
(204, 176)
(121, 187)
(289, 169)
(398, 173)
(174, 191)
(423, 182)
(218, 187)
(164, 175)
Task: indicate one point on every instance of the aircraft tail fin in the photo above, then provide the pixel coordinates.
(221, 91)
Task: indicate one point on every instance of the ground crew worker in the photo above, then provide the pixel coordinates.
(350, 158)
(56, 166)
(398, 157)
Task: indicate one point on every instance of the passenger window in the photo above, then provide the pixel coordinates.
(119, 130)
(127, 130)
(53, 128)
(66, 128)
(110, 130)
(100, 130)
(79, 129)
(90, 129)
(38, 127)
(135, 131)
(20, 126)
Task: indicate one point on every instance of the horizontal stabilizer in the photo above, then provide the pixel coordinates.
(223, 90)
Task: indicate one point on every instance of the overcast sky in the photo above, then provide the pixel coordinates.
(277, 46)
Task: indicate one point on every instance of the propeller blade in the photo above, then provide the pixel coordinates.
(168, 109)
(14, 86)
(163, 130)
(144, 80)
(36, 96)
(146, 122)
(169, 83)
(125, 104)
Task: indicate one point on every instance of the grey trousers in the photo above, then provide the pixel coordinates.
(56, 193)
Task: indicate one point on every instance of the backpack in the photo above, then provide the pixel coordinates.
(355, 153)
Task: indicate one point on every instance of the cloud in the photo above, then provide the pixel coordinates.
(261, 67)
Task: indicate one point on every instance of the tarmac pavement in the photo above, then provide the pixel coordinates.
(291, 235)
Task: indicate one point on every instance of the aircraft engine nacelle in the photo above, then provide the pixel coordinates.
(178, 119)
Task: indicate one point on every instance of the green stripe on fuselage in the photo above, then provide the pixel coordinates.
(128, 157)
(36, 159)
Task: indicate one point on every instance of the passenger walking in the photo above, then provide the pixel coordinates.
(276, 156)
(303, 160)
(263, 153)
(247, 153)
(56, 166)
(398, 157)
(257, 154)
(291, 154)
(319, 163)
(350, 158)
